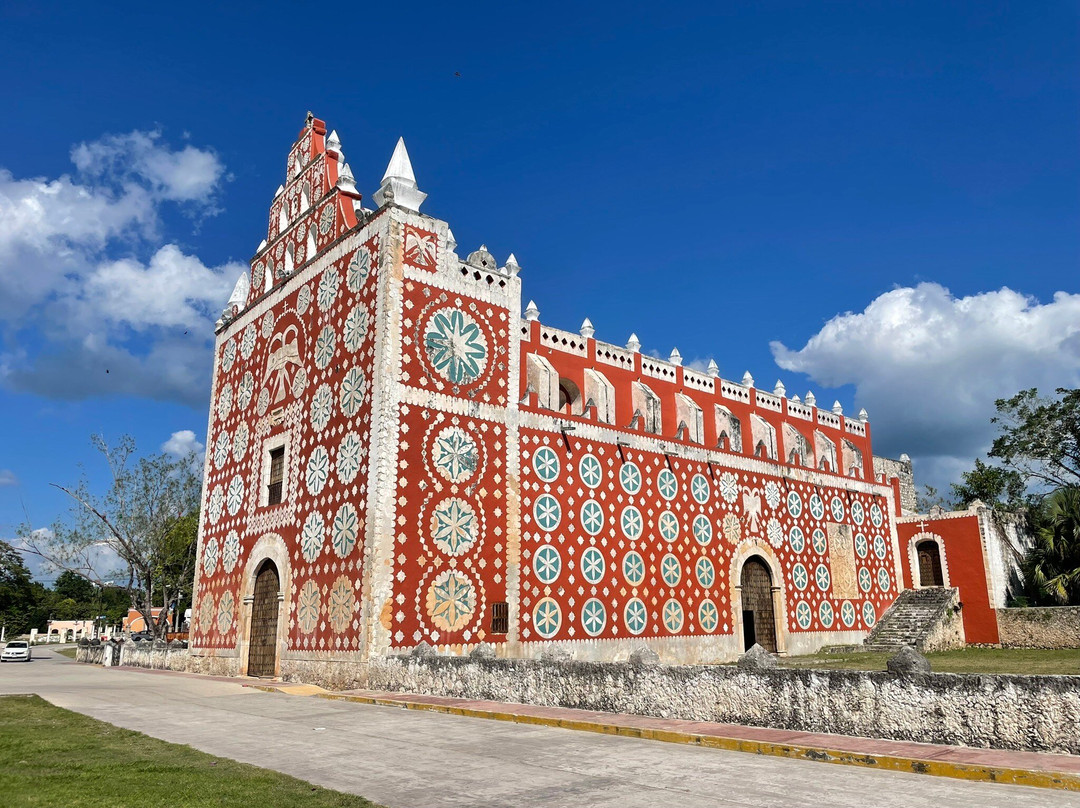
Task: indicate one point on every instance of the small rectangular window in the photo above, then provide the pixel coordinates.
(500, 618)
(277, 475)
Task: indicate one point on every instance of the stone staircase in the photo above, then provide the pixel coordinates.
(911, 619)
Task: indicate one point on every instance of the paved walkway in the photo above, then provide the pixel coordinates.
(415, 759)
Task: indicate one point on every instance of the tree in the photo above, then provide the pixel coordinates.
(1040, 437)
(929, 498)
(70, 585)
(17, 595)
(1052, 566)
(998, 487)
(133, 525)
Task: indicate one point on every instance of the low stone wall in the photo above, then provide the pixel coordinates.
(1036, 713)
(91, 654)
(1046, 627)
(1006, 712)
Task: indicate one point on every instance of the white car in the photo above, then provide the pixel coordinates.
(16, 651)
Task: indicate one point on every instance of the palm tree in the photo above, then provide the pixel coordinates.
(1052, 565)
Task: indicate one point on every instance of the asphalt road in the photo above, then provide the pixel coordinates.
(413, 759)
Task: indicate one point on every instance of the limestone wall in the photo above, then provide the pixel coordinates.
(1036, 713)
(902, 469)
(1049, 627)
(1006, 712)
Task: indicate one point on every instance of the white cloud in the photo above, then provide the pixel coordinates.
(170, 290)
(84, 273)
(928, 365)
(187, 175)
(7, 477)
(184, 444)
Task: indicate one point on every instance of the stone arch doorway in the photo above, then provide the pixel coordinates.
(929, 555)
(263, 634)
(758, 615)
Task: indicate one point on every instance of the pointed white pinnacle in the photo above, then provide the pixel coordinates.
(262, 246)
(864, 416)
(747, 379)
(837, 408)
(811, 399)
(675, 357)
(795, 399)
(451, 242)
(531, 312)
(399, 182)
(633, 344)
(333, 143)
(239, 296)
(779, 389)
(587, 329)
(280, 190)
(713, 369)
(346, 182)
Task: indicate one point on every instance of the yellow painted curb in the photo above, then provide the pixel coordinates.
(962, 771)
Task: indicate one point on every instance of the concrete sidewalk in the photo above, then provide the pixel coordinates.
(991, 765)
(412, 758)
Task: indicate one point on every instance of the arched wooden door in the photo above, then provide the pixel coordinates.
(759, 621)
(262, 644)
(929, 564)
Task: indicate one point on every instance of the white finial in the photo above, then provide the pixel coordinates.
(713, 369)
(262, 246)
(905, 458)
(587, 329)
(346, 182)
(513, 265)
(399, 182)
(779, 389)
(531, 312)
(864, 416)
(837, 408)
(795, 399)
(747, 379)
(675, 358)
(633, 344)
(239, 296)
(811, 399)
(451, 242)
(280, 190)
(333, 143)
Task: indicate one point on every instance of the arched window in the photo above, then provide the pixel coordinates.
(647, 408)
(728, 429)
(764, 435)
(569, 397)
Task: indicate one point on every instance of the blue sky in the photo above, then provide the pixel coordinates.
(878, 202)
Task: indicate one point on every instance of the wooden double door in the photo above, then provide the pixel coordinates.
(262, 638)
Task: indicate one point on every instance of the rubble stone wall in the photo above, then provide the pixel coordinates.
(1038, 713)
(1047, 627)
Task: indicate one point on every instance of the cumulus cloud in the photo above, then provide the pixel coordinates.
(184, 444)
(928, 365)
(92, 299)
(186, 175)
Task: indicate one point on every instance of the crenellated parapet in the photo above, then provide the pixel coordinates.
(575, 376)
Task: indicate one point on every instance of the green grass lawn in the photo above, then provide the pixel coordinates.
(68, 652)
(967, 660)
(52, 757)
